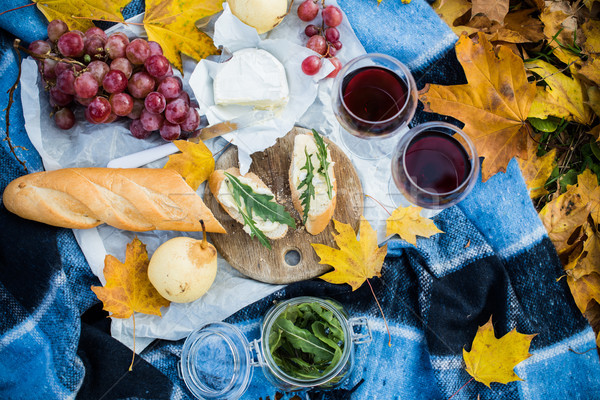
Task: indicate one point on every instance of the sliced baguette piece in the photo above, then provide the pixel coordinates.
(321, 206)
(218, 187)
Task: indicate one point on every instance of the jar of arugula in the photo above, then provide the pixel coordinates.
(306, 342)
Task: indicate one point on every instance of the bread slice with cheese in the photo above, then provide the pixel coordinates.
(218, 184)
(322, 205)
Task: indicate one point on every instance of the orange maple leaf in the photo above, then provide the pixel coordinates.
(128, 289)
(172, 23)
(494, 105)
(493, 360)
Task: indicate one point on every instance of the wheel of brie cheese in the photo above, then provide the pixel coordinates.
(252, 77)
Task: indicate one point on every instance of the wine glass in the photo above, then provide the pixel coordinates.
(374, 97)
(435, 165)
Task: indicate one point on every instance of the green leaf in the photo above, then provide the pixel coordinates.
(320, 331)
(570, 178)
(544, 125)
(307, 182)
(304, 340)
(254, 231)
(323, 163)
(595, 149)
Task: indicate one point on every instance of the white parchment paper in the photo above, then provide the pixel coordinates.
(88, 145)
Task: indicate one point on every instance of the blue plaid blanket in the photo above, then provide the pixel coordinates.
(493, 259)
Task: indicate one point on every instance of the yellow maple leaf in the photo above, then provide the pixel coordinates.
(590, 69)
(172, 23)
(536, 170)
(591, 31)
(90, 10)
(408, 224)
(584, 290)
(559, 21)
(563, 97)
(593, 93)
(450, 11)
(494, 105)
(356, 260)
(571, 209)
(493, 360)
(128, 288)
(195, 162)
(588, 259)
(495, 10)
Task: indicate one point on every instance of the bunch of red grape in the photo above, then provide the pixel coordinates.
(113, 77)
(324, 40)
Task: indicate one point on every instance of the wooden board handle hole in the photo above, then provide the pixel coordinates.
(292, 257)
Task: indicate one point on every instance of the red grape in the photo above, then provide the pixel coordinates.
(122, 64)
(332, 34)
(79, 33)
(169, 131)
(137, 51)
(96, 31)
(136, 112)
(70, 44)
(99, 110)
(86, 85)
(56, 28)
(155, 48)
(157, 65)
(116, 44)
(311, 65)
(308, 10)
(39, 47)
(317, 43)
(58, 98)
(155, 102)
(332, 16)
(63, 66)
(49, 68)
(138, 131)
(84, 102)
(115, 81)
(311, 30)
(170, 87)
(176, 111)
(140, 84)
(331, 51)
(111, 118)
(99, 69)
(64, 118)
(192, 121)
(337, 45)
(121, 104)
(183, 95)
(94, 46)
(337, 64)
(150, 121)
(65, 82)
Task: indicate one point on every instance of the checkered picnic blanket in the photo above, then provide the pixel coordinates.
(493, 259)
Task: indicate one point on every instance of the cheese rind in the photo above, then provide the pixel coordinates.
(252, 77)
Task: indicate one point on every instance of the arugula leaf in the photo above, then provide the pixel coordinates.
(254, 231)
(309, 192)
(324, 164)
(309, 346)
(259, 204)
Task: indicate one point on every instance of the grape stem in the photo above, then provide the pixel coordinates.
(16, 8)
(49, 56)
(11, 93)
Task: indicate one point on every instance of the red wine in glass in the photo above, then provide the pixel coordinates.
(373, 100)
(437, 162)
(432, 168)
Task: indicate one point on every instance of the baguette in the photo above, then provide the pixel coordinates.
(321, 207)
(216, 183)
(130, 199)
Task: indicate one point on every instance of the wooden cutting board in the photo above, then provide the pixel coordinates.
(256, 261)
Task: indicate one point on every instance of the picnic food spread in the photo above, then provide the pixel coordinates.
(287, 210)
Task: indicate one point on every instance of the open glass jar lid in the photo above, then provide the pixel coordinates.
(217, 360)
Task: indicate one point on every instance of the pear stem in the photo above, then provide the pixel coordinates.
(204, 241)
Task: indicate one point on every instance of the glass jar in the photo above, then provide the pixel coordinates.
(217, 360)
